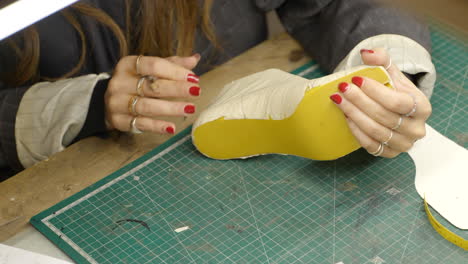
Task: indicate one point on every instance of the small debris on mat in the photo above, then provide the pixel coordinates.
(142, 223)
(393, 191)
(377, 260)
(347, 186)
(182, 229)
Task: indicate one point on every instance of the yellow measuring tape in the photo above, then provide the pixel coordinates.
(443, 231)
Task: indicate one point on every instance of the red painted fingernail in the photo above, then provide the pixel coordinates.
(367, 51)
(193, 78)
(343, 87)
(336, 98)
(189, 109)
(194, 90)
(170, 130)
(357, 81)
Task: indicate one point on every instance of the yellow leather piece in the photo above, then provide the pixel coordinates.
(317, 129)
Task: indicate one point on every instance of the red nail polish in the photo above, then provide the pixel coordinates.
(343, 87)
(336, 98)
(189, 109)
(193, 78)
(357, 81)
(170, 130)
(367, 51)
(194, 90)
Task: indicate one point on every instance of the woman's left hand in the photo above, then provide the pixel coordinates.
(386, 122)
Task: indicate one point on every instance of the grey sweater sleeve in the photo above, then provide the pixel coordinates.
(9, 104)
(329, 29)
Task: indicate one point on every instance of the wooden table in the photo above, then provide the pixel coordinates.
(452, 12)
(90, 160)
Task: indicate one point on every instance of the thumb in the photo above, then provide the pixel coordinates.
(187, 62)
(380, 57)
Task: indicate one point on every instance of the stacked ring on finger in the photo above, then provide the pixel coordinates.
(132, 105)
(137, 64)
(385, 143)
(410, 113)
(389, 64)
(139, 87)
(379, 150)
(133, 128)
(413, 110)
(400, 121)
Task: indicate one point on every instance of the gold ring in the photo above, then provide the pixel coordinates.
(137, 64)
(132, 105)
(139, 87)
(133, 127)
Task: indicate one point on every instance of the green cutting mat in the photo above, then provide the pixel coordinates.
(269, 209)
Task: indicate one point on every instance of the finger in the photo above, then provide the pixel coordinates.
(150, 107)
(394, 101)
(380, 57)
(367, 105)
(410, 127)
(166, 88)
(129, 85)
(155, 107)
(165, 69)
(145, 124)
(370, 127)
(156, 88)
(187, 62)
(368, 143)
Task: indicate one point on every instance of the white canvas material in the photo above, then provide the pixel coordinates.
(51, 115)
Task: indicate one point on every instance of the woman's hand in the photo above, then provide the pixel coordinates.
(386, 122)
(136, 97)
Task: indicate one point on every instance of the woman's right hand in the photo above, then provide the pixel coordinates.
(165, 78)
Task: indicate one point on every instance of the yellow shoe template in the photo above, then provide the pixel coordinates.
(277, 112)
